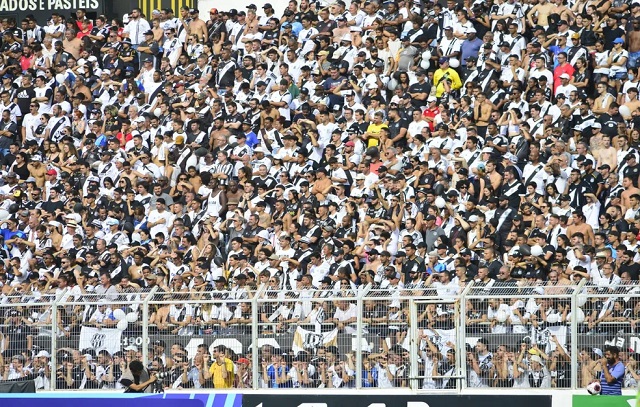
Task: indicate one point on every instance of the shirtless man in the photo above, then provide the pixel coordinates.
(602, 102)
(340, 30)
(579, 226)
(633, 104)
(494, 176)
(269, 111)
(37, 171)
(629, 190)
(250, 30)
(633, 36)
(606, 154)
(542, 11)
(563, 11)
(219, 135)
(71, 43)
(197, 27)
(374, 262)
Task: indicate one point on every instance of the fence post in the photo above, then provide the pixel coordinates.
(414, 345)
(145, 325)
(54, 338)
(574, 334)
(461, 339)
(255, 363)
(359, 328)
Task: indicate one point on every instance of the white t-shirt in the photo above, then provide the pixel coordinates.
(155, 216)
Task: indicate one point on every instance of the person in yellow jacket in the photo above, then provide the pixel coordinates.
(446, 79)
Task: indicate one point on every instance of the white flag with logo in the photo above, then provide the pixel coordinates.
(308, 341)
(441, 338)
(100, 339)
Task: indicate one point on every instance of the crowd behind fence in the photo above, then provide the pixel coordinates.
(539, 336)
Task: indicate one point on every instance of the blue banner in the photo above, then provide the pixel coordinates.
(72, 399)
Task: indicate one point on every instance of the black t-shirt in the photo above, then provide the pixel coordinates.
(8, 160)
(51, 207)
(17, 335)
(632, 173)
(419, 88)
(326, 26)
(610, 124)
(21, 172)
(610, 35)
(24, 96)
(271, 35)
(394, 129)
(593, 180)
(632, 268)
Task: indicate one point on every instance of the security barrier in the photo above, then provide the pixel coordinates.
(349, 337)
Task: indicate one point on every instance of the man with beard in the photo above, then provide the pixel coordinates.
(613, 371)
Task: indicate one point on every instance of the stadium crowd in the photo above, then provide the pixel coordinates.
(407, 146)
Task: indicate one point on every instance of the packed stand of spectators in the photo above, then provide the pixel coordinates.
(409, 146)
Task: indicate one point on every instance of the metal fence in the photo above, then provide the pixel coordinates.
(502, 336)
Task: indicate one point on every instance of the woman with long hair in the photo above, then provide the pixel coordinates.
(107, 187)
(188, 246)
(245, 175)
(68, 157)
(53, 155)
(403, 82)
(634, 139)
(551, 194)
(581, 78)
(78, 125)
(181, 187)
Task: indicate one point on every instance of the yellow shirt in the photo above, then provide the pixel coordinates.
(456, 83)
(374, 129)
(216, 374)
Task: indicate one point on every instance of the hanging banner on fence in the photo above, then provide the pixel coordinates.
(308, 341)
(442, 338)
(544, 337)
(100, 339)
(622, 342)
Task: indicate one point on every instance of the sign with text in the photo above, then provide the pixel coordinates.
(43, 5)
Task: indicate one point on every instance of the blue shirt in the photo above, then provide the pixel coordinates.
(7, 234)
(271, 373)
(252, 139)
(470, 49)
(615, 388)
(329, 85)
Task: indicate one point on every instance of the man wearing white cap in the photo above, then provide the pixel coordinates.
(42, 368)
(259, 159)
(114, 236)
(565, 88)
(347, 52)
(67, 238)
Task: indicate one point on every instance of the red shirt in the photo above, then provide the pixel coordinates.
(123, 138)
(373, 167)
(25, 62)
(432, 113)
(559, 70)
